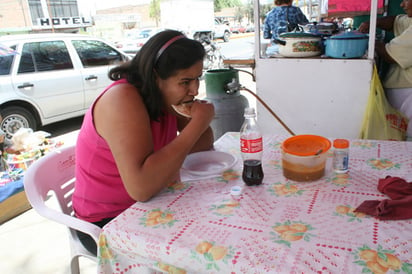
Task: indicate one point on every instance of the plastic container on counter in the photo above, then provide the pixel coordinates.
(304, 157)
(341, 155)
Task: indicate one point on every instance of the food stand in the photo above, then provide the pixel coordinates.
(318, 95)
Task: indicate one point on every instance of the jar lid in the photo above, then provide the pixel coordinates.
(236, 190)
(350, 35)
(341, 143)
(298, 34)
(306, 145)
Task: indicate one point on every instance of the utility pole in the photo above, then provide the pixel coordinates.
(50, 15)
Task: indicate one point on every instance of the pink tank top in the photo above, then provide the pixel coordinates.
(99, 191)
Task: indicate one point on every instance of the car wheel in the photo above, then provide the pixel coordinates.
(226, 36)
(15, 118)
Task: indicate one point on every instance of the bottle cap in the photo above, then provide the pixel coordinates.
(340, 143)
(236, 190)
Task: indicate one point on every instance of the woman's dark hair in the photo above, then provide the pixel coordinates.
(281, 2)
(142, 70)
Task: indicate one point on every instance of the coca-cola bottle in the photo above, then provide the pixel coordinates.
(251, 147)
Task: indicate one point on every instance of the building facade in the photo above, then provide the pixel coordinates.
(34, 16)
(29, 16)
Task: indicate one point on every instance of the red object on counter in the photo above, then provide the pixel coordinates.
(352, 7)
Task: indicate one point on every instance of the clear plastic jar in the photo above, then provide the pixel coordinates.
(341, 155)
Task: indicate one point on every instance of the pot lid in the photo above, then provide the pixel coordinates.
(326, 24)
(350, 35)
(306, 145)
(298, 34)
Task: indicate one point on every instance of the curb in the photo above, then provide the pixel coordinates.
(238, 35)
(241, 35)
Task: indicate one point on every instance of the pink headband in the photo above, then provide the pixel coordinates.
(167, 44)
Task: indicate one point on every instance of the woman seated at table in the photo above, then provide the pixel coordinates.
(128, 148)
(398, 53)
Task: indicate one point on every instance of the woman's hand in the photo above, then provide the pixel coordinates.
(202, 111)
(364, 27)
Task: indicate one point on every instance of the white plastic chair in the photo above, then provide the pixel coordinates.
(55, 172)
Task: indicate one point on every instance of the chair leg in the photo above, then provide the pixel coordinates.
(74, 265)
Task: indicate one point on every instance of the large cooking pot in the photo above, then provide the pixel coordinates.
(323, 28)
(299, 44)
(352, 44)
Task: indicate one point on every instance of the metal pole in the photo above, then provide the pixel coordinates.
(50, 15)
(372, 29)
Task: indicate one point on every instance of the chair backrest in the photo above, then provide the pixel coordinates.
(55, 172)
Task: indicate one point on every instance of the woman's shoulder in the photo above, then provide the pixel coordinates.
(276, 11)
(405, 19)
(403, 24)
(121, 92)
(295, 9)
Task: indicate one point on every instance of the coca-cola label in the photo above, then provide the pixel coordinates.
(251, 146)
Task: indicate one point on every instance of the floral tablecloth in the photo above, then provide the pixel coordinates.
(281, 226)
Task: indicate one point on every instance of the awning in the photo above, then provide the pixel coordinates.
(349, 8)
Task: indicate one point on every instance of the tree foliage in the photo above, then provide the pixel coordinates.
(243, 10)
(220, 4)
(154, 10)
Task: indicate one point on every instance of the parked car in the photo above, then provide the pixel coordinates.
(221, 31)
(238, 29)
(135, 40)
(51, 77)
(250, 28)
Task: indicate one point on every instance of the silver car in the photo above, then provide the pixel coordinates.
(135, 39)
(46, 78)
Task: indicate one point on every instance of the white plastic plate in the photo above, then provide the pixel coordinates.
(208, 163)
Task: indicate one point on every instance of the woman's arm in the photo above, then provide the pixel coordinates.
(121, 118)
(380, 50)
(267, 32)
(301, 17)
(385, 23)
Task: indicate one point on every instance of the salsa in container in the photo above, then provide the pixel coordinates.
(304, 157)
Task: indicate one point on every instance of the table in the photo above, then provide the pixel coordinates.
(281, 226)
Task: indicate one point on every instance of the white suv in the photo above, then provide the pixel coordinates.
(221, 30)
(51, 77)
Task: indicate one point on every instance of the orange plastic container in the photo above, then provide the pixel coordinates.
(304, 157)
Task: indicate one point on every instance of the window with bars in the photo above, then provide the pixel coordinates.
(56, 8)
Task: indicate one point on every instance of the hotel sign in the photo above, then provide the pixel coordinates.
(63, 22)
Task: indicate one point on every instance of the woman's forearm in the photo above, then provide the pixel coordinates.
(380, 50)
(385, 23)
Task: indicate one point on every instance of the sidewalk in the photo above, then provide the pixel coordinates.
(31, 244)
